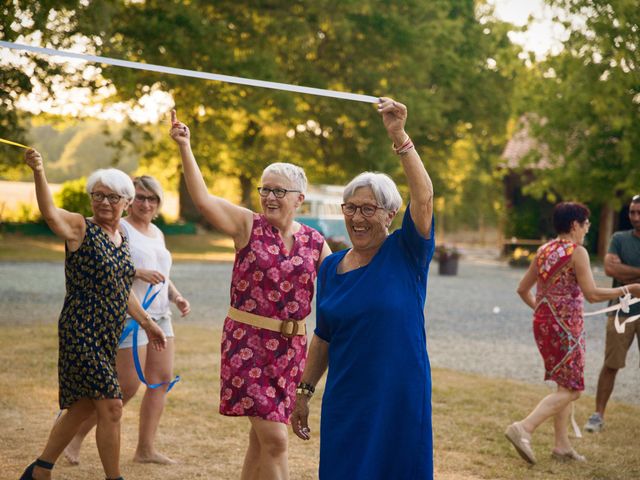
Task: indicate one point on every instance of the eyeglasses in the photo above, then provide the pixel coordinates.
(635, 199)
(152, 199)
(367, 210)
(99, 197)
(277, 192)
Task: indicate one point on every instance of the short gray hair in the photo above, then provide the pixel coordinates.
(382, 186)
(291, 172)
(112, 178)
(149, 183)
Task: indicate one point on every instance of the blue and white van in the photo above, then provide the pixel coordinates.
(321, 210)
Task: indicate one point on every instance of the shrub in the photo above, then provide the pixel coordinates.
(521, 257)
(23, 213)
(446, 252)
(73, 197)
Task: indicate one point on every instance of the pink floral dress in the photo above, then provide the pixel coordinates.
(558, 324)
(260, 369)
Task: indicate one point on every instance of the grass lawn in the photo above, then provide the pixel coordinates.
(470, 414)
(201, 247)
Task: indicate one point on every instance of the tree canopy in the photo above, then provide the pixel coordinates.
(454, 70)
(586, 100)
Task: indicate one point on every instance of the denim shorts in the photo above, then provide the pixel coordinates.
(164, 322)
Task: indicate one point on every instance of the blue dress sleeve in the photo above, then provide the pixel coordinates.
(420, 249)
(322, 329)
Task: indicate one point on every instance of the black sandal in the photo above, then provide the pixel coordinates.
(28, 473)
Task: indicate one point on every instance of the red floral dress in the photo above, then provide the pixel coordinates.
(260, 369)
(558, 324)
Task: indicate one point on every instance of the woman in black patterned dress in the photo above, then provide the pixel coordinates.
(99, 274)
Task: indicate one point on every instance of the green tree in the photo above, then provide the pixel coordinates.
(49, 20)
(434, 55)
(586, 101)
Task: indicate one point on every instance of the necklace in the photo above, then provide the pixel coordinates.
(353, 260)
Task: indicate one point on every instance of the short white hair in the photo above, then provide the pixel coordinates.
(114, 179)
(291, 172)
(382, 186)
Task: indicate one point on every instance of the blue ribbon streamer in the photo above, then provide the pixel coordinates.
(133, 326)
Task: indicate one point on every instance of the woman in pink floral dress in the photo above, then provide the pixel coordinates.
(563, 278)
(263, 341)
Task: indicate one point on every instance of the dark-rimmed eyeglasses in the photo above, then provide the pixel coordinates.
(277, 192)
(152, 199)
(99, 197)
(367, 210)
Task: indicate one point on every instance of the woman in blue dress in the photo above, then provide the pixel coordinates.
(370, 335)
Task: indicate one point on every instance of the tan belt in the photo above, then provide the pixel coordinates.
(288, 328)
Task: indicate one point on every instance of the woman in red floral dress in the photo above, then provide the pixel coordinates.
(264, 346)
(563, 278)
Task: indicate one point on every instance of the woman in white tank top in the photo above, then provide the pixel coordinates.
(153, 264)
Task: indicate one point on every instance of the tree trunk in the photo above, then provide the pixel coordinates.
(246, 188)
(607, 216)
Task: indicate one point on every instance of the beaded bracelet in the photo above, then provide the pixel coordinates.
(404, 148)
(305, 389)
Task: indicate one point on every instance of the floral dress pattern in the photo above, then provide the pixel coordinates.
(98, 280)
(260, 369)
(558, 324)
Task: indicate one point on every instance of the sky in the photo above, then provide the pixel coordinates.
(542, 37)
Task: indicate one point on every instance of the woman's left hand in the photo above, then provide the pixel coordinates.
(183, 305)
(156, 336)
(394, 117)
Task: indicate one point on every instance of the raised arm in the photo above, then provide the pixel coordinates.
(223, 215)
(588, 286)
(622, 272)
(67, 225)
(394, 117)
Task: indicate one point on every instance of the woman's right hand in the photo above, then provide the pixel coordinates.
(179, 131)
(150, 276)
(300, 417)
(34, 160)
(156, 336)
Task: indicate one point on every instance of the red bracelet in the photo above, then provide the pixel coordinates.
(404, 148)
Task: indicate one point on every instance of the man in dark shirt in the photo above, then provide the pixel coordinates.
(622, 262)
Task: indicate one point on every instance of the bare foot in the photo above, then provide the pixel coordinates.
(72, 452)
(153, 457)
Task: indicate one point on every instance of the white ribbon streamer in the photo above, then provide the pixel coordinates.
(195, 74)
(574, 424)
(625, 302)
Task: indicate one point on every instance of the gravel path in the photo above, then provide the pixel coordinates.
(463, 331)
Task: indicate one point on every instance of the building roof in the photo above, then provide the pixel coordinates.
(522, 145)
